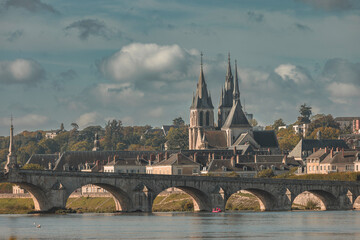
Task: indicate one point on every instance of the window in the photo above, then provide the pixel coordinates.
(179, 172)
(207, 118)
(321, 168)
(328, 167)
(333, 167)
(195, 170)
(317, 168)
(357, 167)
(201, 118)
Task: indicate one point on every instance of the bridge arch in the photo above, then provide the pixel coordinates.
(266, 200)
(121, 198)
(316, 199)
(41, 202)
(201, 201)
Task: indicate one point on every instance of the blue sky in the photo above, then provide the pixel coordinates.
(138, 61)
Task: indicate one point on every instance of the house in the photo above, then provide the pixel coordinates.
(176, 164)
(347, 122)
(126, 165)
(250, 165)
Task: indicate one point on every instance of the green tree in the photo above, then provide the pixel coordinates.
(278, 123)
(287, 139)
(81, 146)
(113, 134)
(178, 138)
(178, 121)
(326, 133)
(49, 146)
(253, 122)
(33, 166)
(266, 173)
(323, 121)
(305, 113)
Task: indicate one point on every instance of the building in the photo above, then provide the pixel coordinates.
(176, 164)
(351, 123)
(128, 165)
(250, 165)
(233, 127)
(301, 129)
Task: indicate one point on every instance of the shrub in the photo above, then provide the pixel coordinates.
(267, 173)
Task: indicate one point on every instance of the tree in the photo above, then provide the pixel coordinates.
(81, 146)
(75, 126)
(178, 138)
(62, 127)
(49, 146)
(326, 133)
(278, 123)
(113, 134)
(178, 121)
(33, 166)
(253, 122)
(266, 173)
(323, 121)
(305, 113)
(287, 139)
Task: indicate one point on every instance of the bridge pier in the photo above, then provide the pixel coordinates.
(218, 199)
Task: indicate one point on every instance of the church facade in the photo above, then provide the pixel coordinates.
(233, 128)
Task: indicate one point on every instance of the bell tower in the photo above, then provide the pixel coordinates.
(11, 157)
(201, 111)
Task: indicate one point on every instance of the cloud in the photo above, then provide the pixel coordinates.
(341, 70)
(21, 71)
(156, 112)
(92, 27)
(297, 74)
(29, 120)
(149, 62)
(343, 90)
(255, 17)
(68, 75)
(112, 94)
(333, 5)
(13, 36)
(30, 5)
(88, 119)
(302, 27)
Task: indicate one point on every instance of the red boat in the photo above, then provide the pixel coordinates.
(216, 210)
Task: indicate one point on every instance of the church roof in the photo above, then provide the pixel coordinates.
(216, 139)
(202, 98)
(266, 139)
(236, 117)
(176, 159)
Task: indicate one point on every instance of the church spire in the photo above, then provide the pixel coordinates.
(11, 144)
(202, 97)
(229, 77)
(236, 94)
(96, 143)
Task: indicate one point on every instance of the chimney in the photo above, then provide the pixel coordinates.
(234, 150)
(149, 162)
(255, 161)
(209, 157)
(195, 157)
(222, 157)
(232, 161)
(332, 153)
(326, 150)
(284, 160)
(237, 158)
(166, 155)
(314, 150)
(337, 149)
(213, 156)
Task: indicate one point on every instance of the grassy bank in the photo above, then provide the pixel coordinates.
(91, 204)
(16, 205)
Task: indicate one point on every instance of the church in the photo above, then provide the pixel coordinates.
(233, 129)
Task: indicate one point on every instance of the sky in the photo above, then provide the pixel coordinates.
(138, 61)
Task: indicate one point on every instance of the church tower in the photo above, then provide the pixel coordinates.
(96, 143)
(226, 97)
(201, 112)
(236, 122)
(11, 157)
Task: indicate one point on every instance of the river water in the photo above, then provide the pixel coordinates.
(239, 225)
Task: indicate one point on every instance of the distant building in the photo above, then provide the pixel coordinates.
(348, 122)
(301, 129)
(176, 164)
(128, 165)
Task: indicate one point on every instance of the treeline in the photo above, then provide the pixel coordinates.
(114, 136)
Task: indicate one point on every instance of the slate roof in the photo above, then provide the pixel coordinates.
(338, 157)
(341, 119)
(236, 118)
(128, 162)
(166, 128)
(310, 144)
(43, 159)
(216, 139)
(177, 159)
(266, 139)
(202, 98)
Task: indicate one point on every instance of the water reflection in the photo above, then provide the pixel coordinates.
(253, 225)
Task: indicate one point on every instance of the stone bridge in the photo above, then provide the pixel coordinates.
(136, 192)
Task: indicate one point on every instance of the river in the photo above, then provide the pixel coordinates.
(239, 225)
